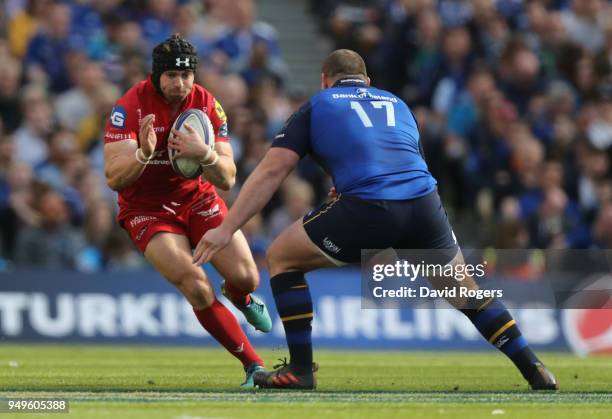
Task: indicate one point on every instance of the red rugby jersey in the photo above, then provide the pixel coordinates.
(159, 183)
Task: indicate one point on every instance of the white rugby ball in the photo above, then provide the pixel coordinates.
(189, 167)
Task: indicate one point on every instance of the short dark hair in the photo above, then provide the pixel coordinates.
(344, 62)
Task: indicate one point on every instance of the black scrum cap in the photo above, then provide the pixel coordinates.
(175, 53)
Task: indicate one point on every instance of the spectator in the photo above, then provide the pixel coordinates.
(448, 76)
(255, 146)
(10, 113)
(410, 50)
(550, 177)
(527, 158)
(249, 44)
(557, 223)
(54, 244)
(120, 254)
(599, 130)
(98, 226)
(156, 22)
(266, 95)
(62, 149)
(512, 99)
(594, 167)
(61, 170)
(466, 112)
(90, 127)
(494, 38)
(455, 12)
(490, 150)
(602, 228)
(547, 110)
(231, 90)
(24, 25)
(553, 39)
(134, 68)
(75, 104)
(583, 22)
(46, 54)
(31, 136)
(87, 26)
(124, 48)
(91, 187)
(520, 74)
(15, 196)
(297, 200)
(185, 23)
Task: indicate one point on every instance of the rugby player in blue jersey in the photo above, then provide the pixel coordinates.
(368, 141)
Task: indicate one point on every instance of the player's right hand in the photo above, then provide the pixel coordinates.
(146, 135)
(210, 243)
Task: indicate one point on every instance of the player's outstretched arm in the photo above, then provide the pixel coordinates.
(254, 195)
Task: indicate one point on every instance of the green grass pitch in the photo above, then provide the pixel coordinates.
(191, 383)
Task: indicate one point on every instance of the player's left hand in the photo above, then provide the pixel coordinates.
(213, 241)
(188, 144)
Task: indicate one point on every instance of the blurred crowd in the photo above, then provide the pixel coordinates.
(64, 64)
(513, 100)
(514, 104)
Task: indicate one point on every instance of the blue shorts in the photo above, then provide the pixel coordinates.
(341, 229)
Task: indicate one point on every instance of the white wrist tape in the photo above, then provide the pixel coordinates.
(213, 162)
(140, 157)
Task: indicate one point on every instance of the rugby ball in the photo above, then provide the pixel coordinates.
(189, 167)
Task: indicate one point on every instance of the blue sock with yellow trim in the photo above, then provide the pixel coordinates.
(496, 325)
(294, 306)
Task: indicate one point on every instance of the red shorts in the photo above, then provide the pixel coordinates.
(191, 219)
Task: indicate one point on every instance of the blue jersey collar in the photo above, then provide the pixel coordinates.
(349, 82)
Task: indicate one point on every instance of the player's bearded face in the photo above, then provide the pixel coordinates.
(176, 85)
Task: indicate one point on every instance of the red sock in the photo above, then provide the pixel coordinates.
(236, 295)
(223, 326)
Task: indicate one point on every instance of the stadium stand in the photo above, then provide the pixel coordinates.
(513, 99)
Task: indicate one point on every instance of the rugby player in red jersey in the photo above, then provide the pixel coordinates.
(166, 214)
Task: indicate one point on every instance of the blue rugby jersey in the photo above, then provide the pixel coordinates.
(367, 139)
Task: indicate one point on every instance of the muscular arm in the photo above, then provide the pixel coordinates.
(293, 144)
(255, 193)
(260, 186)
(223, 173)
(120, 165)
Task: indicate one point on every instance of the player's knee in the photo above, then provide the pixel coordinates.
(246, 277)
(276, 261)
(198, 292)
